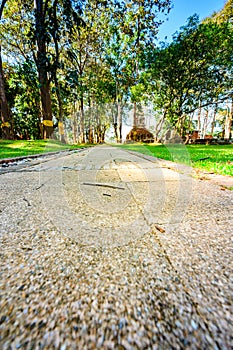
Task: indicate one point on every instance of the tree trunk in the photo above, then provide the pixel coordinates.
(115, 130)
(102, 134)
(56, 65)
(205, 124)
(74, 126)
(6, 118)
(135, 122)
(5, 113)
(190, 122)
(159, 126)
(228, 121)
(118, 118)
(97, 133)
(199, 119)
(82, 131)
(60, 111)
(46, 104)
(180, 124)
(41, 63)
(91, 138)
(119, 123)
(214, 119)
(98, 127)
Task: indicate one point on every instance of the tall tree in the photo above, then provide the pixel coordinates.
(47, 34)
(55, 32)
(133, 26)
(41, 58)
(22, 95)
(196, 66)
(7, 129)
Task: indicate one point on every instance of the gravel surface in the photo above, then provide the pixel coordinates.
(104, 249)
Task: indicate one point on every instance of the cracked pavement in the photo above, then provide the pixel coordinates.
(106, 249)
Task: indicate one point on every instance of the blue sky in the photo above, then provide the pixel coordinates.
(182, 9)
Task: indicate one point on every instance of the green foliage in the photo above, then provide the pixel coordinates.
(137, 92)
(195, 68)
(22, 91)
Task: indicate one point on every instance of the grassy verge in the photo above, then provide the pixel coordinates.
(212, 158)
(12, 149)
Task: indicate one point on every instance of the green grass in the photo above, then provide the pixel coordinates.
(219, 157)
(12, 149)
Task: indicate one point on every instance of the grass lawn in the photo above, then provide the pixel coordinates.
(219, 158)
(11, 149)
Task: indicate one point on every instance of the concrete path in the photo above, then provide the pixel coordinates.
(105, 249)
